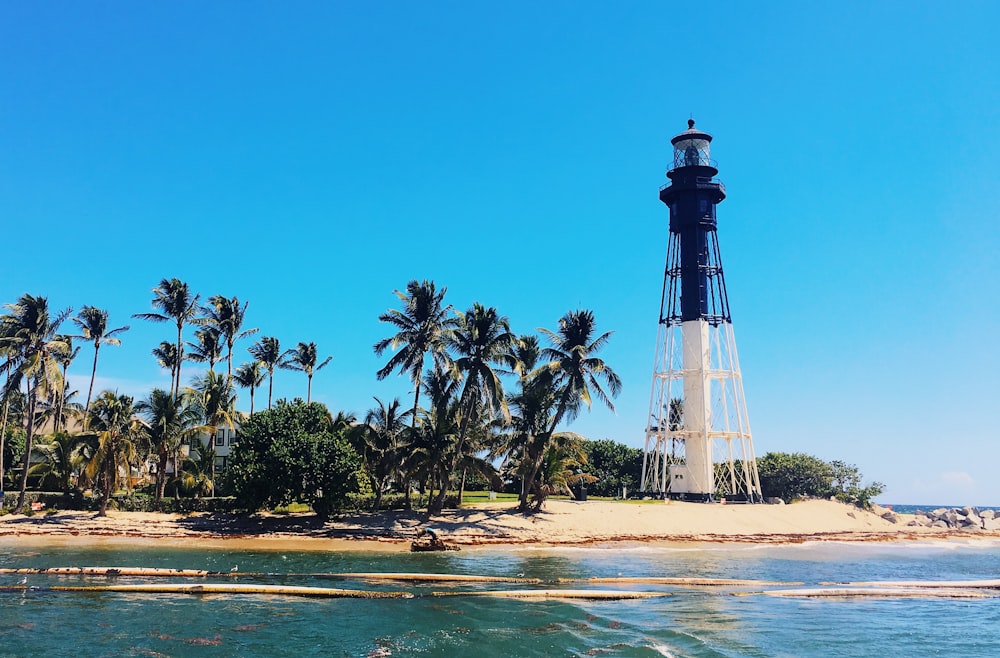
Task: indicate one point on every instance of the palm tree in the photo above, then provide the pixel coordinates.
(215, 400)
(560, 468)
(166, 356)
(481, 339)
(303, 359)
(383, 443)
(197, 473)
(13, 414)
(226, 316)
(60, 458)
(118, 443)
(93, 325)
(172, 423)
(32, 348)
(173, 298)
(577, 372)
(5, 395)
(422, 324)
(437, 433)
(268, 352)
(207, 348)
(249, 375)
(65, 359)
(531, 410)
(58, 408)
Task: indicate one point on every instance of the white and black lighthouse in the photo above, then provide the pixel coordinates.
(698, 441)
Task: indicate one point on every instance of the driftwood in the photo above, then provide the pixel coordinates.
(879, 592)
(701, 582)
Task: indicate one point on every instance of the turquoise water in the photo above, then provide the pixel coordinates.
(693, 622)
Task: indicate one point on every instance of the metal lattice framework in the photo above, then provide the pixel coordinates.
(723, 423)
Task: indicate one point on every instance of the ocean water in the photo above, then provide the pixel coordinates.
(694, 621)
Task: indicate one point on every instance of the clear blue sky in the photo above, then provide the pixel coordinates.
(313, 156)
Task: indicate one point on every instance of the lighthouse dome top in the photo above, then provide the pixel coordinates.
(692, 148)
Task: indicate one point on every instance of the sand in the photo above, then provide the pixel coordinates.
(561, 523)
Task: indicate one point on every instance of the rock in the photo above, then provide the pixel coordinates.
(988, 514)
(891, 517)
(967, 511)
(939, 523)
(774, 500)
(992, 523)
(939, 511)
(950, 517)
(920, 520)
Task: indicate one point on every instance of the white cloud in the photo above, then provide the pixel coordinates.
(959, 480)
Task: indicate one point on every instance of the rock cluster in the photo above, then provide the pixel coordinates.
(956, 518)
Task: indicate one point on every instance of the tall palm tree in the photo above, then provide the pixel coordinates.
(480, 340)
(65, 359)
(172, 423)
(577, 371)
(207, 347)
(531, 407)
(117, 444)
(166, 356)
(303, 359)
(249, 375)
(173, 298)
(437, 433)
(383, 443)
(268, 352)
(422, 324)
(32, 348)
(215, 400)
(56, 410)
(226, 316)
(93, 325)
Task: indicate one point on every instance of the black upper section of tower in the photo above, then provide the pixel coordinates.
(694, 268)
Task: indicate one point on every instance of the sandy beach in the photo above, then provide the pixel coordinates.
(561, 523)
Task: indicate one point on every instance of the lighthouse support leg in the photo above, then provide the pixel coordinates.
(696, 353)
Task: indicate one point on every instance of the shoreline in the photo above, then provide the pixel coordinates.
(595, 524)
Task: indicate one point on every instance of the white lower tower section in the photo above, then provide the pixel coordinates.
(698, 441)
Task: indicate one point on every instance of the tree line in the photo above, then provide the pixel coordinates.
(464, 420)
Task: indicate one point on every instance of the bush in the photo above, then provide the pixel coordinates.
(796, 475)
(615, 465)
(290, 454)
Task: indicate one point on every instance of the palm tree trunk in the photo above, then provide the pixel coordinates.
(32, 396)
(106, 494)
(408, 505)
(270, 387)
(161, 475)
(90, 391)
(309, 389)
(461, 487)
(60, 419)
(180, 359)
(536, 466)
(438, 504)
(251, 400)
(3, 437)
